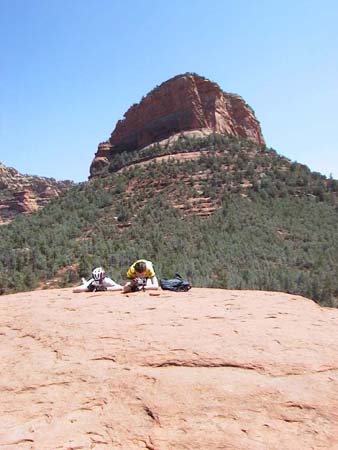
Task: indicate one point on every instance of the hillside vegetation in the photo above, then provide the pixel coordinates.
(238, 217)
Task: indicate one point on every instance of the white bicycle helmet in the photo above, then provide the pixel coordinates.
(99, 274)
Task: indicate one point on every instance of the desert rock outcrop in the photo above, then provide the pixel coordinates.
(207, 369)
(25, 193)
(184, 103)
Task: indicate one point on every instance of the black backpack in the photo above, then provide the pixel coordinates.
(177, 284)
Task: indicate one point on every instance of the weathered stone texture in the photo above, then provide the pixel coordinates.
(184, 103)
(25, 193)
(207, 369)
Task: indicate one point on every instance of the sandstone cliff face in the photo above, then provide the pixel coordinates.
(184, 103)
(207, 369)
(25, 193)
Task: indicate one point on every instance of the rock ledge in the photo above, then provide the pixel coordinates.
(206, 369)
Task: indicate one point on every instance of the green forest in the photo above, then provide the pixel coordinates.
(236, 217)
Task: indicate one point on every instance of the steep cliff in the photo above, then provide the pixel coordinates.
(184, 103)
(25, 193)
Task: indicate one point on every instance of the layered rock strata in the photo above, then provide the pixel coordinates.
(25, 193)
(184, 103)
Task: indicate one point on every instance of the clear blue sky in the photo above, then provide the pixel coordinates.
(71, 68)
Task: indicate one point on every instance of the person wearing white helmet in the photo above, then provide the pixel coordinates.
(98, 282)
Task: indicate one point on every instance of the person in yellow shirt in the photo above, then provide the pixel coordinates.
(142, 277)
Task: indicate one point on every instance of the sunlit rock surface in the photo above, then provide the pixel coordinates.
(207, 369)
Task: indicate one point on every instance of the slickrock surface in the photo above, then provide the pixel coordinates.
(207, 369)
(184, 103)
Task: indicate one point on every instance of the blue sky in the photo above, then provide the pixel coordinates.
(71, 68)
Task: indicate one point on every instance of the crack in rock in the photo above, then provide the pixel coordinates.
(104, 358)
(21, 441)
(151, 414)
(175, 363)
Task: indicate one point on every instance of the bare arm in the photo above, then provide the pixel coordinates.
(152, 283)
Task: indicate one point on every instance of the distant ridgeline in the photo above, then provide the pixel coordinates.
(24, 194)
(225, 212)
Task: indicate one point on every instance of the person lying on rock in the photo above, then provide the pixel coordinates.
(98, 282)
(142, 277)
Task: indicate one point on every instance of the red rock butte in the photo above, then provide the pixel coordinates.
(184, 103)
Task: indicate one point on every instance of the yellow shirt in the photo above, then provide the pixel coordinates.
(150, 273)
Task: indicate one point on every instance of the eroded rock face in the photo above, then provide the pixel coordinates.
(183, 103)
(207, 369)
(25, 193)
(101, 159)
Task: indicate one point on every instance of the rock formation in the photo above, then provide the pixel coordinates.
(25, 193)
(184, 103)
(207, 369)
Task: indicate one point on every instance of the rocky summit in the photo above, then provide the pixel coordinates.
(25, 193)
(185, 103)
(208, 369)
